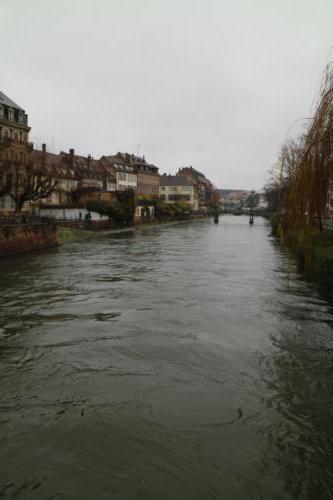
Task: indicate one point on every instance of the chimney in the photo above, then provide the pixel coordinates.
(44, 148)
(71, 152)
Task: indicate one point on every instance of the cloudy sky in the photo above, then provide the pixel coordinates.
(211, 83)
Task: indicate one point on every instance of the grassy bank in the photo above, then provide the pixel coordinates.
(156, 223)
(66, 234)
(24, 238)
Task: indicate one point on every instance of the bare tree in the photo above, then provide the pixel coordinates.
(5, 179)
(215, 202)
(24, 179)
(215, 198)
(306, 166)
(29, 185)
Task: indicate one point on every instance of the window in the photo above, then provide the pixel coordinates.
(11, 114)
(10, 202)
(179, 197)
(20, 118)
(1, 112)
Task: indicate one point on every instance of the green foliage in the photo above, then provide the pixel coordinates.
(145, 197)
(66, 234)
(120, 210)
(124, 206)
(178, 210)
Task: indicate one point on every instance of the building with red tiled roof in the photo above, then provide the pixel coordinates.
(203, 188)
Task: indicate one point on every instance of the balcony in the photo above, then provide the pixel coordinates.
(15, 123)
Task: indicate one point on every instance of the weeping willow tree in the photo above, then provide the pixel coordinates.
(306, 167)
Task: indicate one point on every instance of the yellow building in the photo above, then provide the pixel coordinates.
(176, 188)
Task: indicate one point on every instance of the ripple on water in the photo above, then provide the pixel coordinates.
(188, 361)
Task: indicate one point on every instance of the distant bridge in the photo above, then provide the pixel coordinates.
(247, 211)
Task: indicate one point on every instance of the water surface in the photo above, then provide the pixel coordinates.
(188, 361)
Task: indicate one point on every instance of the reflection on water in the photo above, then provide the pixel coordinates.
(299, 377)
(189, 362)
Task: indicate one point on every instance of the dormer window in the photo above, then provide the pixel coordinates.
(1, 112)
(11, 114)
(20, 117)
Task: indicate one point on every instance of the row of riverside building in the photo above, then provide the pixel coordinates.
(81, 180)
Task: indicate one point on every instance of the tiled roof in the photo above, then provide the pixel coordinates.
(119, 162)
(132, 161)
(174, 180)
(83, 166)
(8, 102)
(52, 164)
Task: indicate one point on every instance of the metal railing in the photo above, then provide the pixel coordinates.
(21, 219)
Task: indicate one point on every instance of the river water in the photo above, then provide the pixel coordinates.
(187, 361)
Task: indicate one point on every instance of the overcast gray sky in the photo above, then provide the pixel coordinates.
(211, 83)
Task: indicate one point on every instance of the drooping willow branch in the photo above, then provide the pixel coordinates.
(306, 166)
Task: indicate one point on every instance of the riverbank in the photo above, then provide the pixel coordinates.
(26, 238)
(315, 254)
(314, 251)
(66, 234)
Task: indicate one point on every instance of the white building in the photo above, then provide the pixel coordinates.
(121, 173)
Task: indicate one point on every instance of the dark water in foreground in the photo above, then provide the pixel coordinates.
(183, 362)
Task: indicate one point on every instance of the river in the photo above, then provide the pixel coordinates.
(188, 361)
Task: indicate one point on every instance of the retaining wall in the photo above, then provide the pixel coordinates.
(16, 239)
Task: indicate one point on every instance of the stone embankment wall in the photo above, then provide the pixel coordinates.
(16, 239)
